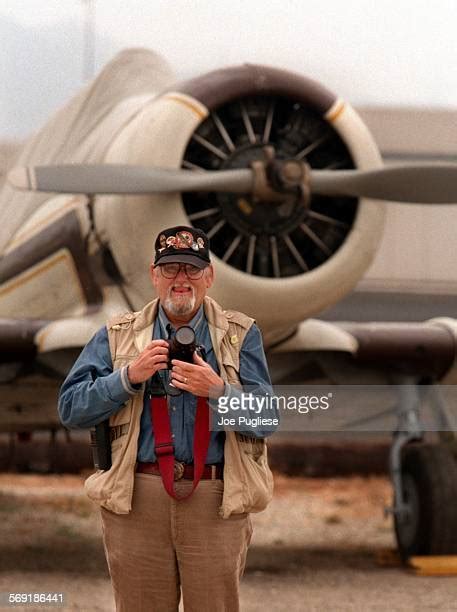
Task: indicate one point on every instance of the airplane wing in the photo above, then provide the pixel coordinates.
(24, 339)
(366, 353)
(83, 129)
(317, 351)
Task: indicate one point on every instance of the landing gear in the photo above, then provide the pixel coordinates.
(427, 523)
(424, 477)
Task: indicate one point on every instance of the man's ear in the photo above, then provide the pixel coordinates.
(153, 271)
(209, 276)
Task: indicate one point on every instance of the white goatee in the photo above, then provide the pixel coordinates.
(179, 305)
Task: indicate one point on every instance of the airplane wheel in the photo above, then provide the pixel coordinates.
(429, 476)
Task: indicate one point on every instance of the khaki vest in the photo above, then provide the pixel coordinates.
(248, 481)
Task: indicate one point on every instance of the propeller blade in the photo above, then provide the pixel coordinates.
(124, 179)
(418, 183)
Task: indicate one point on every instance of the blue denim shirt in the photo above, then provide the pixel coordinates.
(92, 391)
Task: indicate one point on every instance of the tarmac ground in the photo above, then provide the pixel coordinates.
(315, 548)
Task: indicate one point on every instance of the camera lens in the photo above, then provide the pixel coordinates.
(185, 335)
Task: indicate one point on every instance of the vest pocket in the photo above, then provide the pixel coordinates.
(248, 481)
(232, 370)
(123, 416)
(116, 445)
(252, 446)
(258, 478)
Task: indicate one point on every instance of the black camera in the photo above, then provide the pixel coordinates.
(182, 346)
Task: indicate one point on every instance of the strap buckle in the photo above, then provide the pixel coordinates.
(178, 470)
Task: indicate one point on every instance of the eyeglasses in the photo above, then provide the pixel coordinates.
(171, 270)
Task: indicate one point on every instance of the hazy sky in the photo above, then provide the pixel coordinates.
(380, 52)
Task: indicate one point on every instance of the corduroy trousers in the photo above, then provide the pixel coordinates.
(165, 547)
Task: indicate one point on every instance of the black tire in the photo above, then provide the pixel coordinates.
(429, 475)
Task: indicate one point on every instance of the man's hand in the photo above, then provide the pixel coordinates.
(153, 358)
(197, 378)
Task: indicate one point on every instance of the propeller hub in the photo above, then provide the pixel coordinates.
(272, 206)
(274, 179)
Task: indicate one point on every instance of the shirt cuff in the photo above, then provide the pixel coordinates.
(128, 386)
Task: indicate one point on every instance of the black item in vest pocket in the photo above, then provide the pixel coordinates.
(100, 443)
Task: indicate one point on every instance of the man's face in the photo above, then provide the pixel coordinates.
(181, 296)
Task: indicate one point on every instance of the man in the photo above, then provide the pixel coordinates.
(170, 522)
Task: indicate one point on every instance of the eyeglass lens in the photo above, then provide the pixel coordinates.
(171, 270)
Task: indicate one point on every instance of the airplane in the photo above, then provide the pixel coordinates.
(289, 185)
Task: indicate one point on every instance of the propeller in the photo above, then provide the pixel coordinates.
(118, 178)
(269, 180)
(418, 183)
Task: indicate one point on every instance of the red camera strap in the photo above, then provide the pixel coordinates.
(164, 448)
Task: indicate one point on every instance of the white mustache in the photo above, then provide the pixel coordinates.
(180, 286)
(182, 305)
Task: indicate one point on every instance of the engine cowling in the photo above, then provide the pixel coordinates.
(282, 262)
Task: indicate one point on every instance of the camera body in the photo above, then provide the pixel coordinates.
(183, 346)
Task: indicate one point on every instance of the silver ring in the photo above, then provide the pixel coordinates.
(185, 380)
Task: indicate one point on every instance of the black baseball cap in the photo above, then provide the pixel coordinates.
(182, 244)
